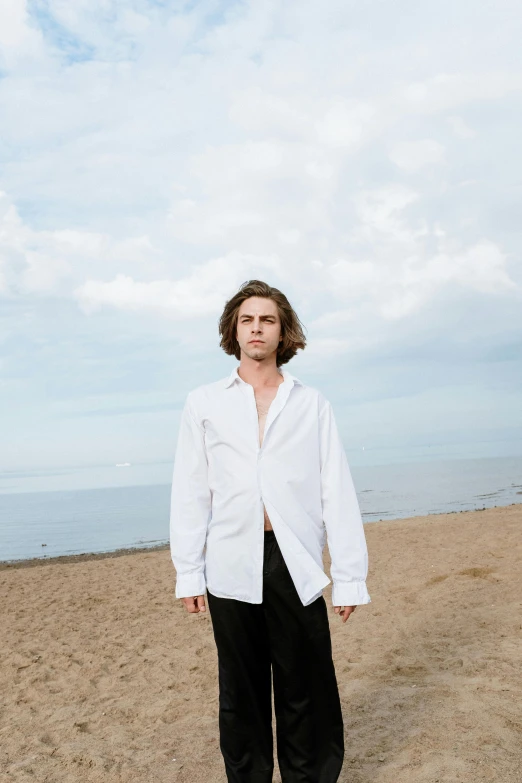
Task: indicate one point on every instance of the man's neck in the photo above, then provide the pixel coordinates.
(259, 375)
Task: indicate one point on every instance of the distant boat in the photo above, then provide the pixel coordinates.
(123, 464)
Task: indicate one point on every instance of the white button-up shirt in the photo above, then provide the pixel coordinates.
(223, 477)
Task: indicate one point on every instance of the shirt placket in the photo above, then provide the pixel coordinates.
(276, 407)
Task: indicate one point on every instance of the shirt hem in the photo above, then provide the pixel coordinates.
(233, 597)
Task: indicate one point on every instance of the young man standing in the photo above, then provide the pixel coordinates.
(260, 481)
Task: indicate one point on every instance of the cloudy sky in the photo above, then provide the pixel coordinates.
(363, 157)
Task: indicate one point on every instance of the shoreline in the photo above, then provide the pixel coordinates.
(82, 557)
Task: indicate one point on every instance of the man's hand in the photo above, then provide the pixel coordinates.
(195, 603)
(344, 612)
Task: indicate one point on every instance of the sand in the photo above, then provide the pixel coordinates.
(105, 677)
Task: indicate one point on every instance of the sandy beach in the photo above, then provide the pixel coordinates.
(105, 677)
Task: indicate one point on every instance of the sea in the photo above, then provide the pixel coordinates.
(88, 509)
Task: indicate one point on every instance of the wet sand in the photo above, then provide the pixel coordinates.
(105, 677)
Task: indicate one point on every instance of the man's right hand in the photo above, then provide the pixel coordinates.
(195, 603)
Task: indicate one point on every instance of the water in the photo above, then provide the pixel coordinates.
(83, 520)
(80, 520)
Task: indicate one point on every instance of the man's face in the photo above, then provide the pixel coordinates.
(258, 319)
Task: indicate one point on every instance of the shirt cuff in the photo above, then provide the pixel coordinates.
(350, 594)
(189, 585)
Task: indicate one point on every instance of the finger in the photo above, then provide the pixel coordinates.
(200, 600)
(337, 609)
(189, 604)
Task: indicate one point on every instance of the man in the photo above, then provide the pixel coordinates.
(260, 479)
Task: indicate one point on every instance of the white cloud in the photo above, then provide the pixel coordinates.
(380, 213)
(201, 293)
(415, 155)
(402, 266)
(43, 273)
(48, 262)
(481, 267)
(460, 128)
(176, 146)
(343, 125)
(289, 236)
(445, 91)
(14, 30)
(396, 264)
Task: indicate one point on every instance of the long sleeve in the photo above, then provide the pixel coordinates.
(341, 516)
(190, 507)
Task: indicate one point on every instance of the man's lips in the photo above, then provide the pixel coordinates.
(256, 341)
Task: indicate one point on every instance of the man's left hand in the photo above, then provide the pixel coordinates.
(345, 611)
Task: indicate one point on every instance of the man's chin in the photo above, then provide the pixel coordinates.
(254, 352)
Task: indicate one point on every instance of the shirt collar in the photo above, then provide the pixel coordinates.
(234, 376)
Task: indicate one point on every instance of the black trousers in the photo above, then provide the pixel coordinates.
(281, 637)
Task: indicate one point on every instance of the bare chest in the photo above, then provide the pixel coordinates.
(264, 399)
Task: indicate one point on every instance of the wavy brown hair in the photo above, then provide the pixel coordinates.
(291, 327)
